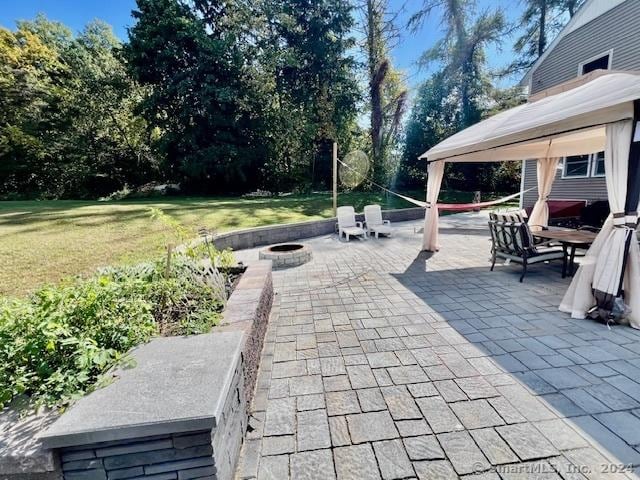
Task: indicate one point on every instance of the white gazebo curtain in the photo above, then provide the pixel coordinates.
(435, 172)
(546, 170)
(587, 115)
(601, 269)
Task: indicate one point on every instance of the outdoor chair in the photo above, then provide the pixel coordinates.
(513, 241)
(519, 216)
(510, 216)
(347, 224)
(374, 222)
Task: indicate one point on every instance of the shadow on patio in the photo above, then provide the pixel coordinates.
(586, 372)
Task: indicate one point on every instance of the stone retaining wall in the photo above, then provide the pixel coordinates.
(248, 310)
(179, 414)
(255, 237)
(168, 457)
(208, 454)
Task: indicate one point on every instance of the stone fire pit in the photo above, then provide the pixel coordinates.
(286, 255)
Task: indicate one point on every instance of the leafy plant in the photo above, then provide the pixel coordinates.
(55, 345)
(58, 344)
(203, 249)
(179, 231)
(219, 258)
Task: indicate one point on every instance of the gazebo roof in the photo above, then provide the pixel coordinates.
(571, 122)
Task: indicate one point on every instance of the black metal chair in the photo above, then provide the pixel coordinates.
(513, 241)
(518, 216)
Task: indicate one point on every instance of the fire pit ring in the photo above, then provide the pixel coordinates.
(286, 255)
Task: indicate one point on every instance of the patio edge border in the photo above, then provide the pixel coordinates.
(281, 233)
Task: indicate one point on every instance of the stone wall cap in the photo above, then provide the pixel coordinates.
(178, 384)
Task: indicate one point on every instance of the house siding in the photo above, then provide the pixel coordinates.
(616, 29)
(590, 188)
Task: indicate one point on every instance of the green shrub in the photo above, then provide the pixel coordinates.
(219, 258)
(57, 344)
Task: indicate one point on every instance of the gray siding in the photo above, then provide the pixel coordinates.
(591, 188)
(616, 29)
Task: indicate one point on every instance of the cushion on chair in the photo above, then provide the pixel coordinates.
(543, 257)
(516, 216)
(519, 216)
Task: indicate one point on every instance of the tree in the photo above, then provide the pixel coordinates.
(462, 79)
(460, 53)
(218, 95)
(245, 94)
(108, 140)
(198, 98)
(434, 117)
(387, 93)
(32, 95)
(570, 6)
(314, 88)
(67, 121)
(540, 21)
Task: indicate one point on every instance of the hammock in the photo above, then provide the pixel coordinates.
(449, 207)
(461, 207)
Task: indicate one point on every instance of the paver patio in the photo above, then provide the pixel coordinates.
(384, 362)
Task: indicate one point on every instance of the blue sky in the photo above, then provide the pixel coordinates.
(76, 13)
(408, 50)
(73, 13)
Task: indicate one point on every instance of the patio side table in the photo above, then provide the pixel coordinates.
(569, 239)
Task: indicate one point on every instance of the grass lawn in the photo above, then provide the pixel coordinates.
(45, 241)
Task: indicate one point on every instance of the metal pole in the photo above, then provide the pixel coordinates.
(335, 179)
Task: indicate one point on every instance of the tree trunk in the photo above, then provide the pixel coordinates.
(377, 72)
(542, 35)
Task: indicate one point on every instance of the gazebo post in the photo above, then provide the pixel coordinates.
(601, 276)
(596, 113)
(435, 172)
(546, 173)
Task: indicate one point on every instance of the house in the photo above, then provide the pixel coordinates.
(602, 35)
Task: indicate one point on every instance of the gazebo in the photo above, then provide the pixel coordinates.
(599, 111)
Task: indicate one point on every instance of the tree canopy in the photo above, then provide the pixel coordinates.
(67, 121)
(229, 96)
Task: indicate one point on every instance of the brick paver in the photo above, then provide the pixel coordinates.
(384, 362)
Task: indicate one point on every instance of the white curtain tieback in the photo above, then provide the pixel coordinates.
(619, 219)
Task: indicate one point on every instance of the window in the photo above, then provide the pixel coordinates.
(576, 166)
(599, 62)
(583, 166)
(597, 164)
